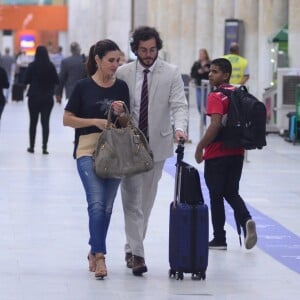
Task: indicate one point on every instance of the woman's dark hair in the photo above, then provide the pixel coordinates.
(90, 64)
(42, 63)
(100, 49)
(41, 55)
(145, 33)
(223, 64)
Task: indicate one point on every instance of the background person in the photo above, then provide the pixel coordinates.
(22, 62)
(56, 57)
(165, 94)
(223, 166)
(199, 71)
(4, 84)
(72, 69)
(7, 61)
(42, 78)
(87, 111)
(240, 70)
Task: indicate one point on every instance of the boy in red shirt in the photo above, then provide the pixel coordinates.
(223, 166)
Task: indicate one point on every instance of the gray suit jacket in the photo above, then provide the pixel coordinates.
(71, 70)
(166, 99)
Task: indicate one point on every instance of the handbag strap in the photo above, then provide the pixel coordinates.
(126, 111)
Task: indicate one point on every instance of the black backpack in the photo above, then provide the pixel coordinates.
(246, 120)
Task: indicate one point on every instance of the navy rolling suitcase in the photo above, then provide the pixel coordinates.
(188, 228)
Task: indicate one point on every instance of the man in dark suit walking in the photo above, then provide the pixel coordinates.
(72, 69)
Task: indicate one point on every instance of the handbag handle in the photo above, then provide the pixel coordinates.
(110, 124)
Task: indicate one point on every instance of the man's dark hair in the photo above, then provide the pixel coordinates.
(223, 64)
(145, 33)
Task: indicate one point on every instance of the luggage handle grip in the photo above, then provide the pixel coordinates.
(179, 151)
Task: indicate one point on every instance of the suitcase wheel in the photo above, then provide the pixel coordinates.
(176, 275)
(198, 276)
(179, 275)
(172, 273)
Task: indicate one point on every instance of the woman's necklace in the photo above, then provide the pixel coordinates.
(107, 81)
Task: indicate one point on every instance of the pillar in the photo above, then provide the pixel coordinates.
(187, 36)
(294, 33)
(173, 32)
(118, 23)
(140, 12)
(222, 10)
(247, 10)
(203, 29)
(93, 20)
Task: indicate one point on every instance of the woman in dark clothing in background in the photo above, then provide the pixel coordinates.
(199, 71)
(42, 78)
(4, 84)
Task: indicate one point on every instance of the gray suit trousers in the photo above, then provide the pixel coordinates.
(138, 195)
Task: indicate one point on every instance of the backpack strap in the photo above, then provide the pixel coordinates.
(234, 102)
(226, 92)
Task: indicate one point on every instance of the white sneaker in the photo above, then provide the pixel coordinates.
(251, 236)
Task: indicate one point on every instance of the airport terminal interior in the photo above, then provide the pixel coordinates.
(44, 229)
(43, 210)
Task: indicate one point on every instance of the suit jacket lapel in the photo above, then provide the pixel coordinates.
(131, 83)
(155, 80)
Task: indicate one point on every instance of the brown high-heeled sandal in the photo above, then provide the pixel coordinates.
(92, 262)
(101, 270)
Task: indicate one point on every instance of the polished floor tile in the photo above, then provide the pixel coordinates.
(43, 225)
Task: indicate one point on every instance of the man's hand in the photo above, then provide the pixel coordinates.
(180, 134)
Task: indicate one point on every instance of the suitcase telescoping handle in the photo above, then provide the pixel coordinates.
(179, 151)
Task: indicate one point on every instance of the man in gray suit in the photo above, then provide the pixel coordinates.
(71, 70)
(166, 98)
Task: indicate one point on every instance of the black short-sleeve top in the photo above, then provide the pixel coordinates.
(89, 100)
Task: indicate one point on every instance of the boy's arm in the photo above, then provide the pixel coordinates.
(209, 136)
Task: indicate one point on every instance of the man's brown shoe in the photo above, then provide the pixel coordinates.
(129, 260)
(138, 265)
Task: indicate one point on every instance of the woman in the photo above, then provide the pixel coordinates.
(42, 78)
(199, 71)
(4, 84)
(86, 111)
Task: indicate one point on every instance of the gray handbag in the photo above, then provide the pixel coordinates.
(123, 151)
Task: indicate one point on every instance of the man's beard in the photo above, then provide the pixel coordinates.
(148, 61)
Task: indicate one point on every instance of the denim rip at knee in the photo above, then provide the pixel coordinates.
(100, 196)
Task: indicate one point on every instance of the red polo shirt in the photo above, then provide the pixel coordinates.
(217, 103)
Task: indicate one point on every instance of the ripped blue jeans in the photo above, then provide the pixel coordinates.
(100, 196)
